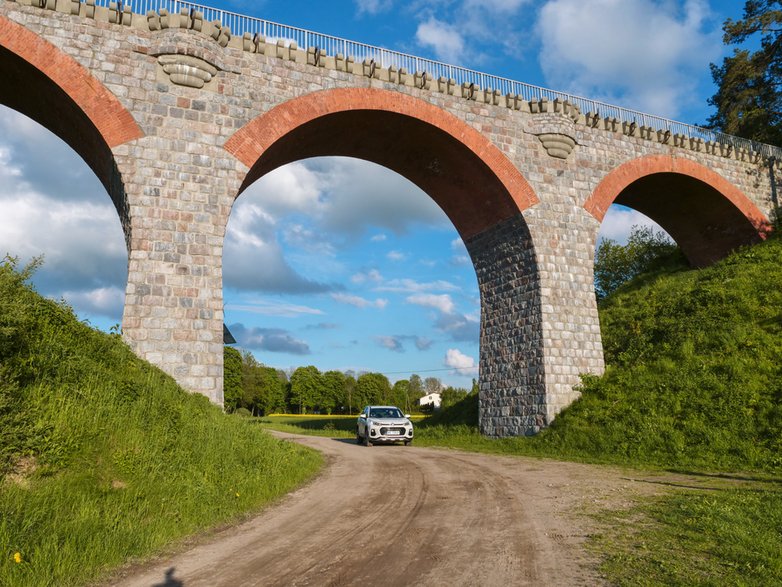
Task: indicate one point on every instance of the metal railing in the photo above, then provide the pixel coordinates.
(272, 31)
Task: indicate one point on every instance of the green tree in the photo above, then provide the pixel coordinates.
(333, 392)
(264, 387)
(306, 388)
(452, 395)
(416, 388)
(400, 395)
(232, 379)
(432, 385)
(373, 388)
(646, 250)
(350, 392)
(748, 101)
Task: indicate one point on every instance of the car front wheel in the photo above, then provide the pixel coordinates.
(366, 438)
(359, 440)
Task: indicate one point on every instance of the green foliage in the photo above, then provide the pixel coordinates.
(715, 538)
(694, 375)
(306, 389)
(463, 412)
(232, 379)
(451, 396)
(332, 397)
(646, 251)
(373, 388)
(748, 101)
(265, 388)
(103, 457)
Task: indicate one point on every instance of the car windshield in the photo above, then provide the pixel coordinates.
(385, 413)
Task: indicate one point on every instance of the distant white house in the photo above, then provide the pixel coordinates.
(432, 399)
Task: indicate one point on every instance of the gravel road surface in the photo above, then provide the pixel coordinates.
(396, 515)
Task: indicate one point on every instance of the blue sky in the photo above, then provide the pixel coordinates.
(340, 263)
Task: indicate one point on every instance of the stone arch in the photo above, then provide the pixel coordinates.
(474, 183)
(50, 87)
(411, 136)
(704, 213)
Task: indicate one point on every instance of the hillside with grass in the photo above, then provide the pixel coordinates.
(104, 457)
(693, 377)
(694, 370)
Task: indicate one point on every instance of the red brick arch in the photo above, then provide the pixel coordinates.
(463, 171)
(114, 123)
(621, 177)
(706, 214)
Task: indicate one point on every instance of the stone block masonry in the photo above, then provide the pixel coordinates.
(177, 116)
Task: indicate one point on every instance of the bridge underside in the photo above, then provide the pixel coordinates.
(28, 90)
(705, 224)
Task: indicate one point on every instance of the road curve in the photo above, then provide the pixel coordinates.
(395, 515)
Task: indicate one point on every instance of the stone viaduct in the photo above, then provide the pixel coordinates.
(176, 116)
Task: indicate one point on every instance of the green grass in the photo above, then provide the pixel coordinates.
(103, 458)
(687, 539)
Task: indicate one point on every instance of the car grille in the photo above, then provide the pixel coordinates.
(393, 430)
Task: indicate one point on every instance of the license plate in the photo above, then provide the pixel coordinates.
(393, 433)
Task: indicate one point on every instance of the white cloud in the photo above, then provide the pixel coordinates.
(396, 256)
(343, 198)
(373, 6)
(290, 188)
(618, 222)
(104, 301)
(445, 40)
(253, 258)
(442, 302)
(646, 54)
(457, 244)
(274, 340)
(460, 363)
(271, 308)
(412, 286)
(391, 343)
(358, 301)
(501, 6)
(306, 239)
(378, 238)
(460, 327)
(372, 276)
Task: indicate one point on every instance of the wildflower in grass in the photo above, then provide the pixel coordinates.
(237, 494)
(17, 557)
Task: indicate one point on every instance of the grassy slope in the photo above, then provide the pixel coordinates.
(694, 377)
(103, 457)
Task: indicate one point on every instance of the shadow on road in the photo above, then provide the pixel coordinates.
(169, 580)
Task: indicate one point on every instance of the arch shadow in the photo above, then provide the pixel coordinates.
(50, 87)
(704, 213)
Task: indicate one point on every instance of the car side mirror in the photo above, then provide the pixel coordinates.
(407, 416)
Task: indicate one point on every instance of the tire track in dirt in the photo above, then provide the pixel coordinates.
(406, 516)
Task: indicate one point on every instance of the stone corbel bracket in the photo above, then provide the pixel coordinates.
(554, 123)
(557, 145)
(185, 70)
(187, 57)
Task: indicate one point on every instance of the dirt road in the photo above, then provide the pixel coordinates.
(395, 515)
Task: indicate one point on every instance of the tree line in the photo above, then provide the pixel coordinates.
(264, 390)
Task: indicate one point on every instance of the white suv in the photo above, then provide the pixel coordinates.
(383, 424)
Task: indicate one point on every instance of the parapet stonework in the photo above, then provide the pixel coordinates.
(151, 102)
